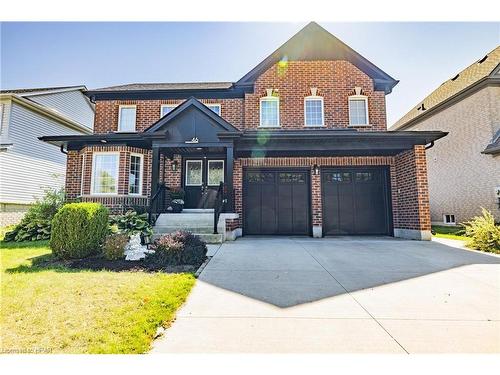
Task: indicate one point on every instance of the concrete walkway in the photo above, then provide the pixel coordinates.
(359, 295)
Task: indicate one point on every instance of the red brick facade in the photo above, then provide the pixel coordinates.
(335, 81)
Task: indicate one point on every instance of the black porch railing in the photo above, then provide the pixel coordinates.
(157, 203)
(219, 205)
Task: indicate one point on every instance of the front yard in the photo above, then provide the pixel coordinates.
(451, 232)
(61, 310)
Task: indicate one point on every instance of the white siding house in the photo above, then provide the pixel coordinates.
(27, 165)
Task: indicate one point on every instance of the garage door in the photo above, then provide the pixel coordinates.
(276, 201)
(355, 201)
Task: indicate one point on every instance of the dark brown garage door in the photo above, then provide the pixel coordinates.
(355, 201)
(276, 202)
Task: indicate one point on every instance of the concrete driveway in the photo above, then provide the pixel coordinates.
(337, 295)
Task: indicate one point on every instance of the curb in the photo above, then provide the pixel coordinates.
(202, 267)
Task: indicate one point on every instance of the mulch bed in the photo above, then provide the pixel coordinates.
(98, 263)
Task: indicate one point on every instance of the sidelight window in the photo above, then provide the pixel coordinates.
(215, 172)
(194, 172)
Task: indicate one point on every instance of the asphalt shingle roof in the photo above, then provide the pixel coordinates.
(37, 89)
(168, 86)
(467, 77)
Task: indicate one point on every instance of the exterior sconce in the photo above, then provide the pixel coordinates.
(316, 169)
(175, 164)
(497, 193)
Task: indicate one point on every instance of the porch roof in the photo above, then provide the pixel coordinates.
(259, 143)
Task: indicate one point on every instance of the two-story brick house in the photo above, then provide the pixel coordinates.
(300, 144)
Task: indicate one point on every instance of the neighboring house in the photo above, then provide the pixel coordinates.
(27, 165)
(464, 168)
(299, 142)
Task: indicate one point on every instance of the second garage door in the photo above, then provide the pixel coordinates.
(355, 201)
(276, 202)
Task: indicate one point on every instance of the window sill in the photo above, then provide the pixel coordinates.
(314, 126)
(269, 127)
(359, 126)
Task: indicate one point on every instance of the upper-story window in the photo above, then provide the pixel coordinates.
(105, 173)
(358, 110)
(126, 118)
(313, 111)
(270, 111)
(166, 108)
(214, 107)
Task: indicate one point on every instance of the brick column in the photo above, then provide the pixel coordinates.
(73, 175)
(412, 218)
(317, 214)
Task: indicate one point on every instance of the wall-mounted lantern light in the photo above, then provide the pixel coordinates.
(316, 169)
(175, 165)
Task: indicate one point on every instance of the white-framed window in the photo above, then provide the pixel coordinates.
(82, 180)
(449, 219)
(314, 111)
(126, 118)
(270, 111)
(135, 174)
(166, 108)
(105, 173)
(215, 172)
(358, 110)
(214, 107)
(194, 172)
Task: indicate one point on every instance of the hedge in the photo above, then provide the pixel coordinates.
(78, 230)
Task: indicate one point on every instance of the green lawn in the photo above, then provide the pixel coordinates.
(60, 310)
(452, 232)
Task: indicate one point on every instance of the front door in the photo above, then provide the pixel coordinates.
(201, 181)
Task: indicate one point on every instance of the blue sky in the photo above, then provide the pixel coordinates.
(420, 55)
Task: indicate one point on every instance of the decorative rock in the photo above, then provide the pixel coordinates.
(134, 250)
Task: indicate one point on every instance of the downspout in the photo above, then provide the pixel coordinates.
(430, 145)
(63, 151)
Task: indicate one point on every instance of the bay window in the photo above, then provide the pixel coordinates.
(105, 173)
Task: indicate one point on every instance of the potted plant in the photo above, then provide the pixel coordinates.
(177, 200)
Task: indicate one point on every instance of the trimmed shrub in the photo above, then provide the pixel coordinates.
(131, 223)
(484, 234)
(178, 248)
(78, 230)
(114, 246)
(36, 223)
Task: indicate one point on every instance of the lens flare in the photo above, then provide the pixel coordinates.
(283, 66)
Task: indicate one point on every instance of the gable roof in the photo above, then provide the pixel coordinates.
(320, 45)
(190, 103)
(486, 67)
(313, 42)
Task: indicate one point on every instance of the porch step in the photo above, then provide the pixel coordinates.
(200, 223)
(161, 229)
(186, 219)
(197, 210)
(206, 237)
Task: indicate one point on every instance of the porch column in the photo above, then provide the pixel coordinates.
(155, 170)
(229, 178)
